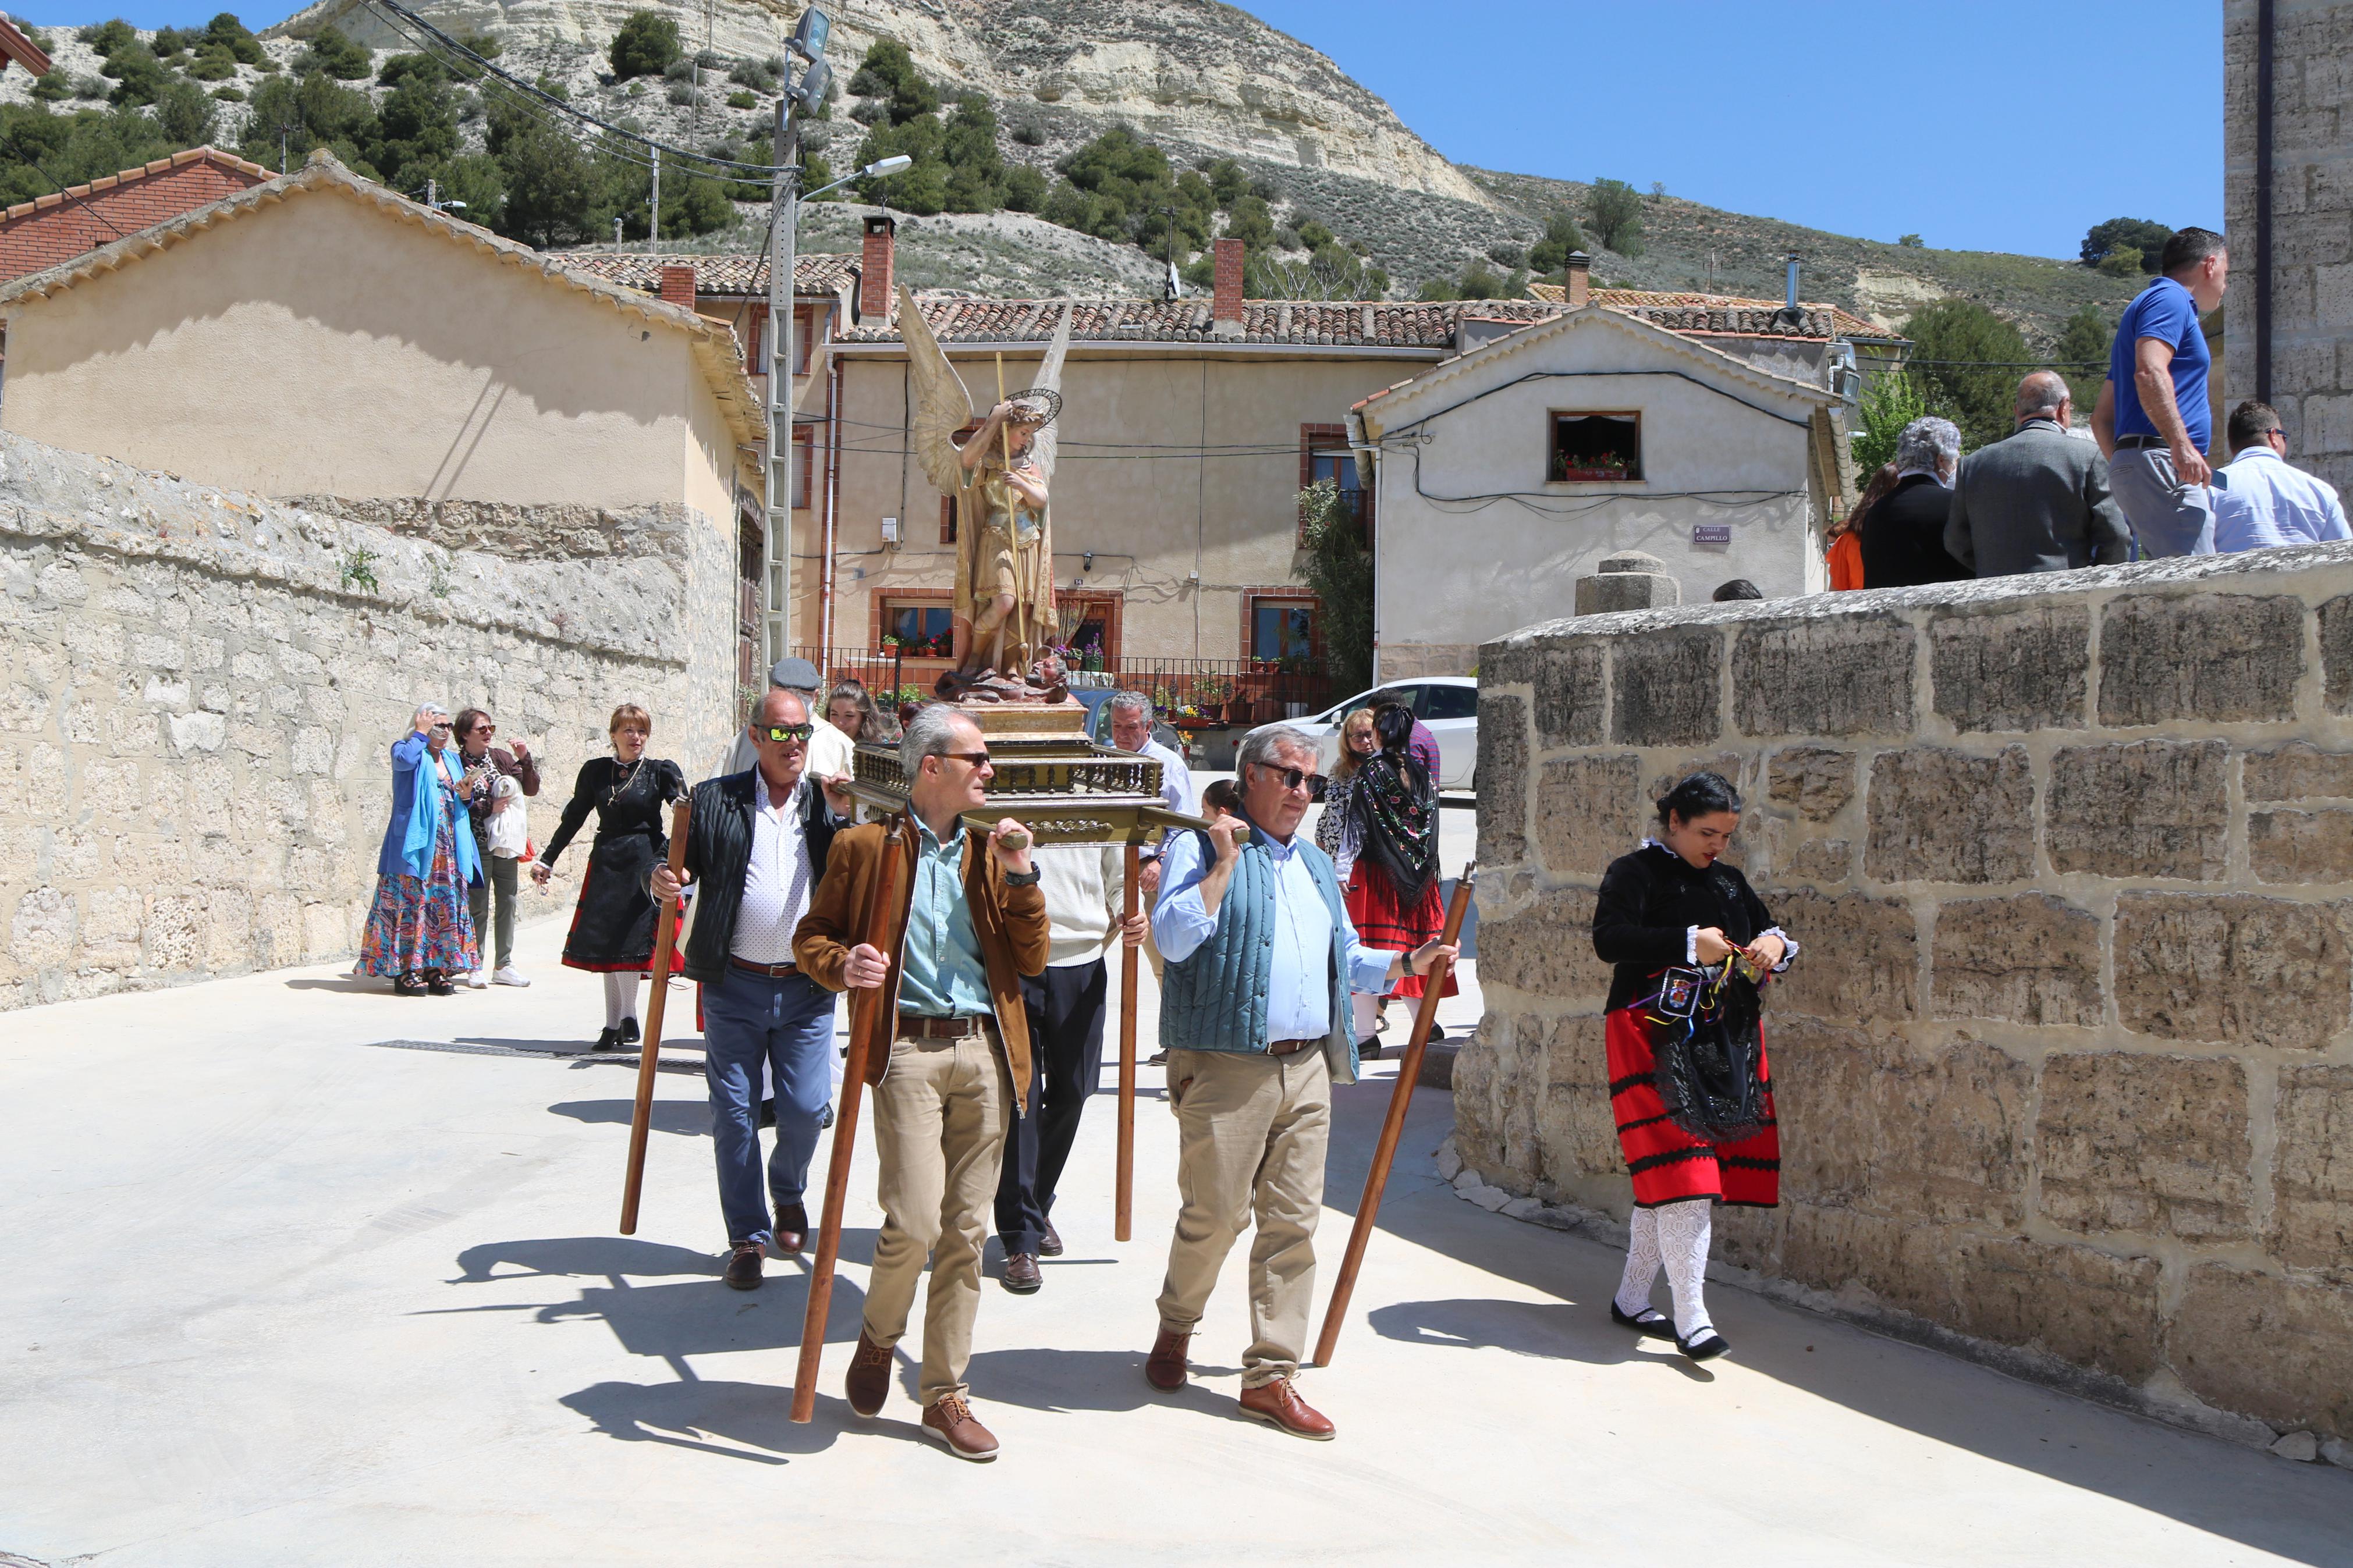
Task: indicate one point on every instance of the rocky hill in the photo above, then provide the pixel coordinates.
(1205, 82)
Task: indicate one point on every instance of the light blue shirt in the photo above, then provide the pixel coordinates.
(1175, 789)
(1299, 988)
(943, 974)
(2260, 501)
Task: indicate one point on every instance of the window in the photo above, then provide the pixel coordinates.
(1586, 447)
(1090, 621)
(1282, 628)
(1324, 455)
(924, 629)
(804, 332)
(755, 330)
(1448, 702)
(804, 455)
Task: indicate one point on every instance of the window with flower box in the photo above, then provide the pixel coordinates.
(1589, 447)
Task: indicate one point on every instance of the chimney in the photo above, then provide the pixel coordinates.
(1791, 302)
(1578, 278)
(874, 289)
(678, 285)
(1226, 303)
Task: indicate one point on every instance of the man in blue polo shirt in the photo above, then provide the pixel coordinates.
(2151, 420)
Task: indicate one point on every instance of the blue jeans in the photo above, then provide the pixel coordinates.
(788, 1023)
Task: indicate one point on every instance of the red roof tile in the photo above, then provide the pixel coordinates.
(817, 273)
(229, 161)
(1668, 306)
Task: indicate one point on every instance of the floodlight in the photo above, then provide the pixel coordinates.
(810, 93)
(809, 37)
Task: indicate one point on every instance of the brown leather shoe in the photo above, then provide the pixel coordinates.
(1051, 1247)
(792, 1229)
(743, 1265)
(869, 1383)
(949, 1422)
(1278, 1404)
(1021, 1274)
(1164, 1369)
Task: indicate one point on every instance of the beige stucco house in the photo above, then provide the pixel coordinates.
(1510, 470)
(319, 334)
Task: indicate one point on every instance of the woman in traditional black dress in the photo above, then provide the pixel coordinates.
(1689, 1085)
(613, 925)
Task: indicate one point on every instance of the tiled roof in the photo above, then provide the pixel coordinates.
(1753, 317)
(1343, 324)
(823, 273)
(16, 45)
(108, 182)
(716, 348)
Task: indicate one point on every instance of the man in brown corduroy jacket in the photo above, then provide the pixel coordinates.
(971, 923)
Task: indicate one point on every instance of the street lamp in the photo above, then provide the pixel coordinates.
(874, 171)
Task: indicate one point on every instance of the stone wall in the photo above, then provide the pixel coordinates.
(2065, 1070)
(200, 688)
(2312, 223)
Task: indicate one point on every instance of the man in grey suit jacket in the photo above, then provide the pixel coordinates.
(2036, 500)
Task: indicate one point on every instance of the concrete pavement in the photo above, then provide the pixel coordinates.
(302, 1273)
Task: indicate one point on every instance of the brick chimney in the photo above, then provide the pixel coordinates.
(1226, 303)
(874, 291)
(1579, 279)
(678, 285)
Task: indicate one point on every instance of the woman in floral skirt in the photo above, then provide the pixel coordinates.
(419, 930)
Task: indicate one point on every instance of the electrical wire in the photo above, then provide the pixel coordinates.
(396, 9)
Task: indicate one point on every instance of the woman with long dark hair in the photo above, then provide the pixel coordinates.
(613, 924)
(1392, 821)
(1689, 1085)
(1846, 535)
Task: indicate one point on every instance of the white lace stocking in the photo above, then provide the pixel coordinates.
(1642, 1263)
(1683, 1232)
(620, 998)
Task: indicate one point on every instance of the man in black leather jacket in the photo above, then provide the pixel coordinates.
(756, 849)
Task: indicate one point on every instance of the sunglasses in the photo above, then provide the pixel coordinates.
(1291, 777)
(781, 733)
(976, 759)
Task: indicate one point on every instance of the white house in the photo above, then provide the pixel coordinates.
(1506, 473)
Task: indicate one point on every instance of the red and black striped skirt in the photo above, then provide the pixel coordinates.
(1384, 922)
(1668, 1164)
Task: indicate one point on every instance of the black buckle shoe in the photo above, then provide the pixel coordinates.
(628, 1031)
(1707, 1346)
(608, 1040)
(1649, 1323)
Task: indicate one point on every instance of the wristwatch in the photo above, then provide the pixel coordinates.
(1022, 878)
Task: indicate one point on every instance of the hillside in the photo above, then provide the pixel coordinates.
(1203, 81)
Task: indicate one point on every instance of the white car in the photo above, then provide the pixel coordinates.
(1447, 704)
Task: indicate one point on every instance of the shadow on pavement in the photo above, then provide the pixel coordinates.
(2294, 1511)
(687, 1118)
(1058, 1381)
(753, 1421)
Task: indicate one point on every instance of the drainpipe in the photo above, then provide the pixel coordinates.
(2264, 36)
(1368, 475)
(832, 493)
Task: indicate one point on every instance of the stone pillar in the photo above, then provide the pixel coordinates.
(1632, 581)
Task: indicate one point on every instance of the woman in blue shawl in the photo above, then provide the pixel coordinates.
(420, 930)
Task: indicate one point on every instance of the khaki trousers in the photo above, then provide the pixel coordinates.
(940, 1118)
(1252, 1133)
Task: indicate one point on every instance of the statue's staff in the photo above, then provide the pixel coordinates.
(1393, 1127)
(649, 1050)
(872, 1011)
(1123, 1208)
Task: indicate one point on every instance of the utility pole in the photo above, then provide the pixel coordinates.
(432, 193)
(778, 516)
(653, 229)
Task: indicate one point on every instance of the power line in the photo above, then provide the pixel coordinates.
(561, 106)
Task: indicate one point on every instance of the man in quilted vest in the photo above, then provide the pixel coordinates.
(1254, 1015)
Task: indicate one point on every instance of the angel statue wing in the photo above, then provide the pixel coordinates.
(942, 403)
(1047, 442)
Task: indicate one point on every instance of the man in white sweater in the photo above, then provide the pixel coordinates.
(1084, 891)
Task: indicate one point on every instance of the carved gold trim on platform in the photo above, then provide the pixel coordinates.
(1065, 790)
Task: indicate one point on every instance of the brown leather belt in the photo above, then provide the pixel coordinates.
(772, 970)
(1291, 1048)
(919, 1027)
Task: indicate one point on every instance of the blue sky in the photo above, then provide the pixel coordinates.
(1976, 127)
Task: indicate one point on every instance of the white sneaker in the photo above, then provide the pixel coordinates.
(475, 981)
(508, 976)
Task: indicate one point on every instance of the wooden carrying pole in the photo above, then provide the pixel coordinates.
(1393, 1128)
(649, 1049)
(872, 1019)
(1122, 1211)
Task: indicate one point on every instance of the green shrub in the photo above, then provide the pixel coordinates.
(1336, 565)
(336, 56)
(230, 34)
(106, 38)
(228, 95)
(1615, 209)
(889, 72)
(1968, 361)
(645, 45)
(1891, 400)
(213, 64)
(56, 85)
(739, 98)
(1561, 235)
(1024, 189)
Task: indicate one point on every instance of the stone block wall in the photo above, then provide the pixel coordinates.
(2312, 223)
(2066, 1068)
(200, 688)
